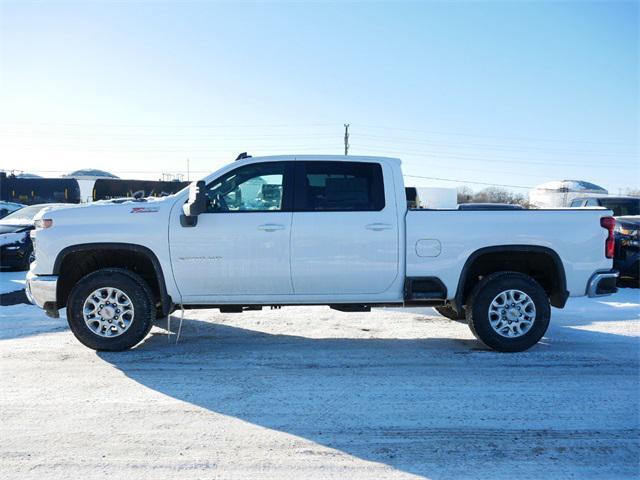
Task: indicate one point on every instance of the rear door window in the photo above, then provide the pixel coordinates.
(339, 187)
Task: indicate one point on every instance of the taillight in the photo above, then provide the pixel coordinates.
(610, 244)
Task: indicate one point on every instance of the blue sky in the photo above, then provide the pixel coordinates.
(513, 93)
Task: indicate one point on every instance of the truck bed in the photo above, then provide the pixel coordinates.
(440, 242)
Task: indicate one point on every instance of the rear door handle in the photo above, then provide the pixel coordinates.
(378, 226)
(271, 227)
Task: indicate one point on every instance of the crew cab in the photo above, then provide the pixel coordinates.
(313, 230)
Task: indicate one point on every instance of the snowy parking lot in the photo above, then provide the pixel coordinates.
(309, 392)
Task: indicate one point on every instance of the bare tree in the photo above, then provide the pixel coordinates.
(491, 195)
(465, 195)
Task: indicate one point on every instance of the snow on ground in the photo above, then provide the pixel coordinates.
(308, 392)
(22, 320)
(12, 281)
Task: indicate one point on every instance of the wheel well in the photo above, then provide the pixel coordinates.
(77, 263)
(540, 263)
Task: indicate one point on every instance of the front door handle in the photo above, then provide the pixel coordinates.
(271, 227)
(376, 227)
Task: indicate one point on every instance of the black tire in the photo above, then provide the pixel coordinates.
(25, 263)
(479, 301)
(134, 287)
(451, 313)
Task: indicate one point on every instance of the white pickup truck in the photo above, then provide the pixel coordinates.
(313, 230)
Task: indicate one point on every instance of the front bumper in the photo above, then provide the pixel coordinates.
(602, 283)
(628, 262)
(41, 291)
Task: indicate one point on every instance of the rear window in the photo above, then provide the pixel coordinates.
(340, 186)
(622, 206)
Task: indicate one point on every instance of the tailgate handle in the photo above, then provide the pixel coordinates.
(378, 226)
(271, 227)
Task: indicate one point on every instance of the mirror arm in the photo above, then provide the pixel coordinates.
(185, 221)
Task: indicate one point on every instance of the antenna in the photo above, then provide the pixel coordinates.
(346, 138)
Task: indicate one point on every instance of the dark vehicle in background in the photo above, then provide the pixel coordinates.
(16, 250)
(8, 207)
(621, 206)
(626, 211)
(490, 206)
(627, 253)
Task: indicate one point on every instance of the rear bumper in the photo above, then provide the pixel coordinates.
(41, 291)
(602, 283)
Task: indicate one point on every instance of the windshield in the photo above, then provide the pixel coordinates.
(23, 216)
(622, 206)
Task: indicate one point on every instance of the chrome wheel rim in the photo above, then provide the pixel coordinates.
(108, 312)
(512, 313)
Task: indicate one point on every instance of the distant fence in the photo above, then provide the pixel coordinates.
(30, 191)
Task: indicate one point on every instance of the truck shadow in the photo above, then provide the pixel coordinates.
(440, 408)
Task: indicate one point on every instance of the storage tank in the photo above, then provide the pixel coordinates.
(86, 179)
(559, 193)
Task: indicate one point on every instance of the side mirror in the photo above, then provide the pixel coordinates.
(196, 204)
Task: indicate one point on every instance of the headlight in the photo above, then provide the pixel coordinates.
(12, 247)
(630, 230)
(42, 223)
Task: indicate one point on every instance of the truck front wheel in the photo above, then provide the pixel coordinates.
(449, 312)
(508, 311)
(110, 309)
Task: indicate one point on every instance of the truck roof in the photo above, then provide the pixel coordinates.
(331, 158)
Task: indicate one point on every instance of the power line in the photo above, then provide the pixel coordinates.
(149, 172)
(121, 125)
(302, 125)
(109, 135)
(436, 154)
(496, 147)
(538, 139)
(470, 181)
(374, 148)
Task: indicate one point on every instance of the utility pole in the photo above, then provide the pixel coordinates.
(346, 139)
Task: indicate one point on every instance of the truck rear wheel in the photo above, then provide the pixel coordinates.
(508, 311)
(110, 309)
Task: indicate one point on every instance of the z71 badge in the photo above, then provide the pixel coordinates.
(144, 210)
